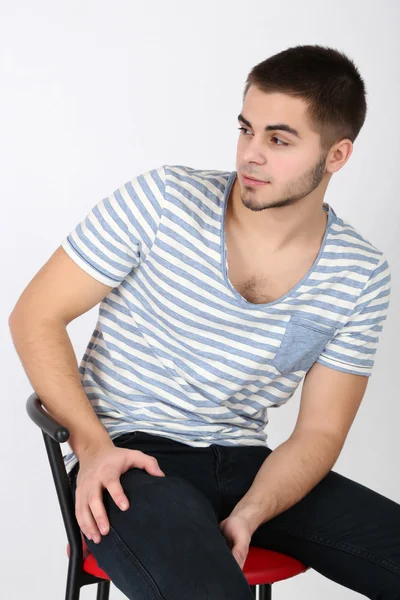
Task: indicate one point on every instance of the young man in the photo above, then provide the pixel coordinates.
(218, 295)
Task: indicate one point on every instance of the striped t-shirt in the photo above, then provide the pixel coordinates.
(176, 350)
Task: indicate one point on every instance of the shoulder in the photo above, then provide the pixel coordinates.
(351, 244)
(186, 175)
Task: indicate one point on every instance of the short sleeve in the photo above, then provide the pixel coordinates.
(353, 348)
(120, 229)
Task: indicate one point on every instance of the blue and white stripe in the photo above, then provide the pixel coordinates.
(176, 350)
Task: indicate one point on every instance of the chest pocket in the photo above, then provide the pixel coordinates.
(302, 343)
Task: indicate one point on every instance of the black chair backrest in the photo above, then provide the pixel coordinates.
(54, 434)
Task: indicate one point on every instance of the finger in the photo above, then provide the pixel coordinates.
(99, 513)
(117, 494)
(144, 461)
(153, 467)
(84, 515)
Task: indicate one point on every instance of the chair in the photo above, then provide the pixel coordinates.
(261, 569)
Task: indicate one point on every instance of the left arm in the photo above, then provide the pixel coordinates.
(329, 403)
(332, 393)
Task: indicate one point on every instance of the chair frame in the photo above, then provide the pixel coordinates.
(54, 434)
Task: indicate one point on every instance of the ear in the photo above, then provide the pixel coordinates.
(338, 155)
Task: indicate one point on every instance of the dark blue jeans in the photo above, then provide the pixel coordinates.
(168, 544)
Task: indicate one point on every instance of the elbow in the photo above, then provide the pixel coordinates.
(12, 320)
(16, 317)
(22, 319)
(26, 317)
(324, 444)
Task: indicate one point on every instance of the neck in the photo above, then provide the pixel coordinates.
(303, 222)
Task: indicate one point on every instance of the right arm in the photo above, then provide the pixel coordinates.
(100, 253)
(60, 292)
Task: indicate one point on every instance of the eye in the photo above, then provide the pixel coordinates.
(282, 143)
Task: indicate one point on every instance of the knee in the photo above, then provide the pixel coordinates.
(160, 501)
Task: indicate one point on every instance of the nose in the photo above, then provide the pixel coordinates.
(253, 152)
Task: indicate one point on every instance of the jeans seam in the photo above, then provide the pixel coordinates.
(350, 549)
(218, 462)
(152, 584)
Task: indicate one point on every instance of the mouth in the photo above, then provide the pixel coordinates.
(251, 181)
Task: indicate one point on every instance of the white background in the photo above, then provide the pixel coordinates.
(94, 93)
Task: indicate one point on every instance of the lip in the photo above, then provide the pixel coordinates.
(251, 181)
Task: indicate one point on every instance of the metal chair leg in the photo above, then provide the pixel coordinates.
(103, 590)
(266, 591)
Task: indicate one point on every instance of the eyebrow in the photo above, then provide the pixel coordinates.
(281, 126)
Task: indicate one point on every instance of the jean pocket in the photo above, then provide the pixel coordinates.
(302, 343)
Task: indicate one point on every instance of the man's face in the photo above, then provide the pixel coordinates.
(293, 170)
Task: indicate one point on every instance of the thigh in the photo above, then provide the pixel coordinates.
(343, 529)
(168, 544)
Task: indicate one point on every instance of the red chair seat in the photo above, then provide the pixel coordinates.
(266, 566)
(261, 566)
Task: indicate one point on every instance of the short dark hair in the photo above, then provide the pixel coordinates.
(326, 79)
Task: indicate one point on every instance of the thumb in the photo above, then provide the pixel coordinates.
(240, 552)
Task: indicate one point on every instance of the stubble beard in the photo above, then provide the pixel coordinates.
(295, 192)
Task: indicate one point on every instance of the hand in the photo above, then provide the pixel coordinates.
(102, 471)
(238, 533)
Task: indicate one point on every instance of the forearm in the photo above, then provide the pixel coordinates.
(48, 358)
(287, 475)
